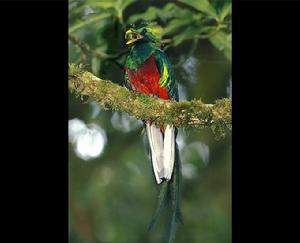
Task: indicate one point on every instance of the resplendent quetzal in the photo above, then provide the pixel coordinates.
(148, 70)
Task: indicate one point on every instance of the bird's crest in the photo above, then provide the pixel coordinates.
(151, 30)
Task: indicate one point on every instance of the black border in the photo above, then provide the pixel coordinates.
(34, 55)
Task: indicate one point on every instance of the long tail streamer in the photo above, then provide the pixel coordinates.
(169, 197)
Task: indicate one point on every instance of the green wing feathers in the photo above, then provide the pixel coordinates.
(167, 75)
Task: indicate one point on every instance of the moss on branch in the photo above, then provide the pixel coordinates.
(186, 114)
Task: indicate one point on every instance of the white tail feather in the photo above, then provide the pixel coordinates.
(169, 151)
(162, 151)
(156, 145)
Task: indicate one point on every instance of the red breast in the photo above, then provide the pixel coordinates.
(146, 79)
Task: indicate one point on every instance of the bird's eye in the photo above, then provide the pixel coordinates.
(144, 31)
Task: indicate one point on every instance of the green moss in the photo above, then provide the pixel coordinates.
(187, 114)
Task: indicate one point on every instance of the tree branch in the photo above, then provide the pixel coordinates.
(192, 113)
(85, 48)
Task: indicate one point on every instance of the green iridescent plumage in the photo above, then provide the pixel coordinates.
(167, 78)
(144, 48)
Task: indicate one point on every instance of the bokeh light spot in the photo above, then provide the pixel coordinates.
(89, 141)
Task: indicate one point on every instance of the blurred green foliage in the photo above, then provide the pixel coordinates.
(112, 197)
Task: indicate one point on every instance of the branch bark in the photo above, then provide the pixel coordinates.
(188, 114)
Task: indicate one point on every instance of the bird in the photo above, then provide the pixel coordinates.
(148, 70)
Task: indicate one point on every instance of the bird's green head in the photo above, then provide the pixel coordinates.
(145, 32)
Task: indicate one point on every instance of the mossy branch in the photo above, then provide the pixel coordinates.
(192, 113)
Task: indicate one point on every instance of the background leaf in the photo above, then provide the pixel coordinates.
(89, 21)
(202, 5)
(176, 24)
(150, 14)
(225, 11)
(222, 42)
(125, 3)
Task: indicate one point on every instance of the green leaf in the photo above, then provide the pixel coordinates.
(188, 33)
(169, 11)
(91, 20)
(177, 24)
(170, 7)
(125, 3)
(193, 32)
(118, 6)
(222, 42)
(201, 5)
(149, 15)
(225, 11)
(219, 40)
(104, 4)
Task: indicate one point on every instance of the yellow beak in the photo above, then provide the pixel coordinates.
(131, 36)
